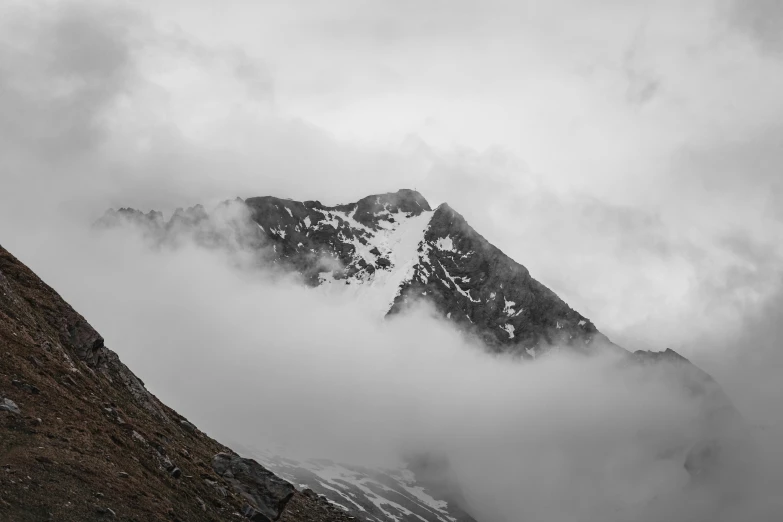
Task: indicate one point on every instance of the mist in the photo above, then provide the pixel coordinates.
(258, 360)
(616, 159)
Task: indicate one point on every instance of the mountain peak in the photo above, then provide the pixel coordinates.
(404, 200)
(392, 249)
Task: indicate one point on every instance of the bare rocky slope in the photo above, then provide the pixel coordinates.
(81, 438)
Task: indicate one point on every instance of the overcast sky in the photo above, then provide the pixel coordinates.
(627, 152)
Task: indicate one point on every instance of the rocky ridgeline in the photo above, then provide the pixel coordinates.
(479, 287)
(82, 439)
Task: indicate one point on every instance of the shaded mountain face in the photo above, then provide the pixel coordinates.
(82, 439)
(389, 250)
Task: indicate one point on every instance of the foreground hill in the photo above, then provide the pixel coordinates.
(81, 438)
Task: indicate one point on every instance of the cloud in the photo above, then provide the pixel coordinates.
(158, 113)
(255, 358)
(72, 63)
(104, 108)
(659, 219)
(761, 20)
(642, 84)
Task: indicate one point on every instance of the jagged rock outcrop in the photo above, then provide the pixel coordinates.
(82, 439)
(267, 493)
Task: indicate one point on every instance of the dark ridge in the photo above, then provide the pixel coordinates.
(82, 439)
(490, 279)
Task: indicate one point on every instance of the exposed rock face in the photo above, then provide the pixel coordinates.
(82, 439)
(310, 237)
(9, 405)
(267, 493)
(475, 284)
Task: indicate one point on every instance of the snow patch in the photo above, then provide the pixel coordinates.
(454, 282)
(445, 243)
(399, 242)
(278, 231)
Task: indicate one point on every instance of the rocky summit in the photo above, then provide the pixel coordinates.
(389, 250)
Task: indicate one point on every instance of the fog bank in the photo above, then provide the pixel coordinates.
(255, 358)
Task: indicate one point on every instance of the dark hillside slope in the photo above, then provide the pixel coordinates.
(81, 438)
